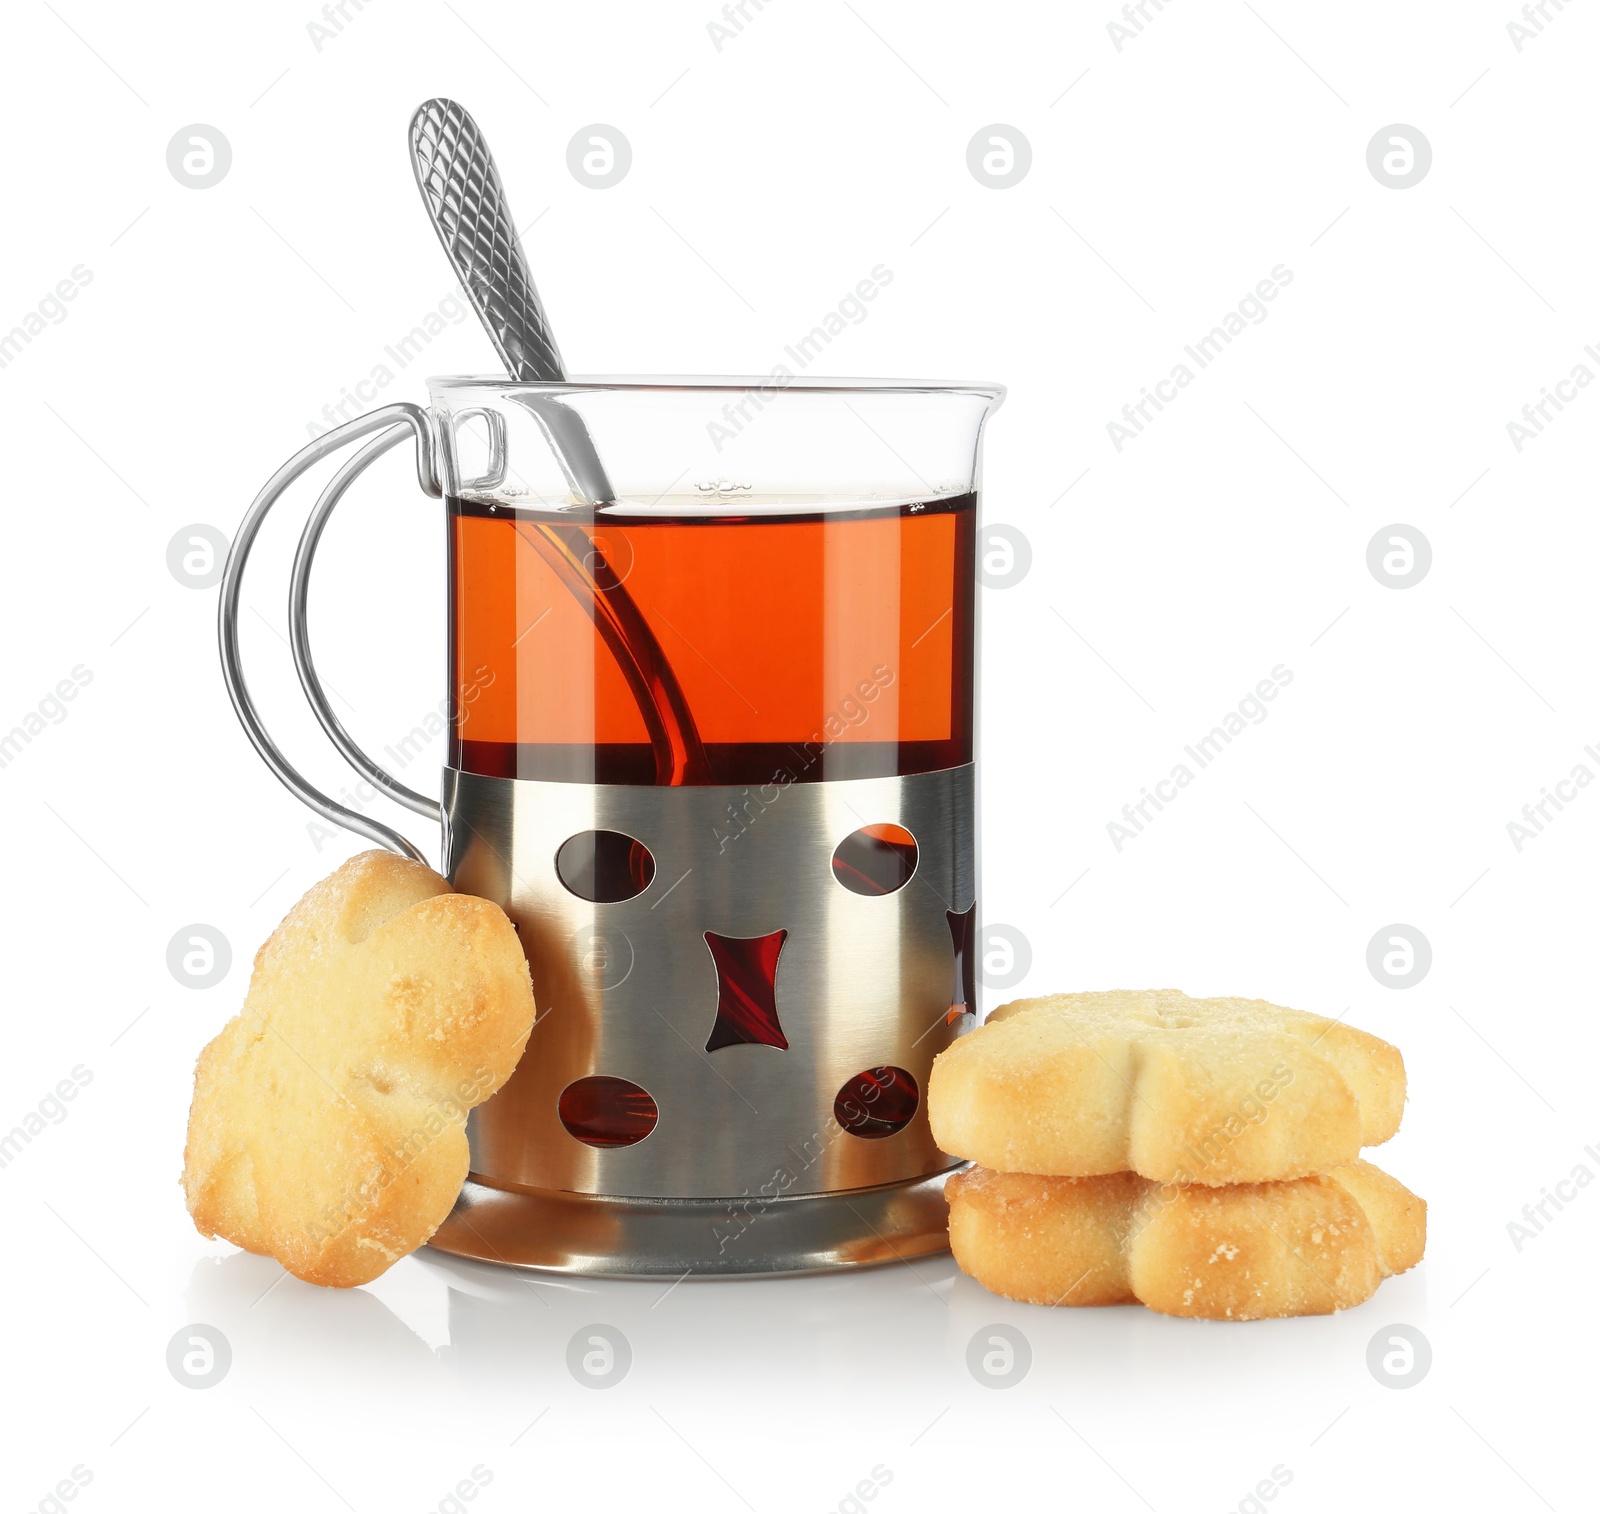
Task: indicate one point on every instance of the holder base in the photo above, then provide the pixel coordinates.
(594, 1236)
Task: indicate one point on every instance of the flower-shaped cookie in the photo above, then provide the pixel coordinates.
(1246, 1251)
(328, 1122)
(1176, 1089)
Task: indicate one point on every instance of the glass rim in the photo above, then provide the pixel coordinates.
(580, 383)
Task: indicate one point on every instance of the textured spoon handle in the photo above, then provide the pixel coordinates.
(461, 187)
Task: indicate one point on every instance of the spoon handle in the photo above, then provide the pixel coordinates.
(467, 204)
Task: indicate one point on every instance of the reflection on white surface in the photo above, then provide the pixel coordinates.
(789, 1393)
(281, 1328)
(437, 1323)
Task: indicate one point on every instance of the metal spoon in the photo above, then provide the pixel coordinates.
(467, 204)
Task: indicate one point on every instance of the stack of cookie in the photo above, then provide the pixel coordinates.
(1199, 1156)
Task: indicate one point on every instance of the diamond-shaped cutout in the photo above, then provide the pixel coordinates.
(747, 974)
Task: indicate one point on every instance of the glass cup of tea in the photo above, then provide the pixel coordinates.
(711, 746)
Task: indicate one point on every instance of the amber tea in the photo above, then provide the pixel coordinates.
(693, 645)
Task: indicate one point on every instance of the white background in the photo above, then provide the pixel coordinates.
(1167, 579)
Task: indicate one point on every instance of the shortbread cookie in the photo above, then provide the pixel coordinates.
(1176, 1089)
(327, 1128)
(1248, 1251)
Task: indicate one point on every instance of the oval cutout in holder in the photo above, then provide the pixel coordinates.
(607, 1111)
(876, 860)
(604, 867)
(877, 1102)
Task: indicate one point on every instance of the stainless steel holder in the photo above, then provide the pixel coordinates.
(760, 1157)
(749, 1166)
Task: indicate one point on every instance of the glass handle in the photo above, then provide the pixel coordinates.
(395, 421)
